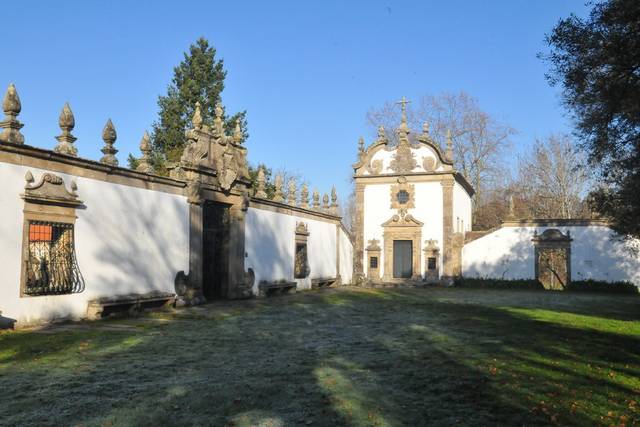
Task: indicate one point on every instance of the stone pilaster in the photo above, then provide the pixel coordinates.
(338, 277)
(358, 226)
(447, 227)
(236, 287)
(195, 247)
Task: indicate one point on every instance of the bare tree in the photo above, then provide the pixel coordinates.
(552, 180)
(480, 140)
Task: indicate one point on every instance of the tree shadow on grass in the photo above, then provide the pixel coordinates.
(330, 358)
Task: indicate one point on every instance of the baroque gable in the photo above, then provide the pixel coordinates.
(211, 157)
(422, 155)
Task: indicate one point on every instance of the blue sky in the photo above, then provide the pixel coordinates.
(306, 71)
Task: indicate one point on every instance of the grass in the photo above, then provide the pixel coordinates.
(363, 357)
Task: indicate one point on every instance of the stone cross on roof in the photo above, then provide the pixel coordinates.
(403, 102)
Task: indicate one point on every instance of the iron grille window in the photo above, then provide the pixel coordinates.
(431, 263)
(373, 262)
(51, 267)
(403, 197)
(301, 265)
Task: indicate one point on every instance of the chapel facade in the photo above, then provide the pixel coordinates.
(412, 208)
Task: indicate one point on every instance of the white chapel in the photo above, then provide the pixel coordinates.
(412, 208)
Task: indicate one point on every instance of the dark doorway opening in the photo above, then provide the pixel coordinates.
(402, 259)
(215, 240)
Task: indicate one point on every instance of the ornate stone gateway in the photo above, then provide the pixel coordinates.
(215, 168)
(553, 258)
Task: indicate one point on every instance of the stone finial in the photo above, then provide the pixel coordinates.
(325, 201)
(11, 104)
(196, 120)
(360, 146)
(403, 130)
(512, 208)
(109, 137)
(218, 122)
(449, 152)
(382, 135)
(145, 161)
(260, 191)
(316, 200)
(304, 196)
(425, 129)
(334, 200)
(291, 193)
(10, 125)
(237, 133)
(278, 196)
(67, 122)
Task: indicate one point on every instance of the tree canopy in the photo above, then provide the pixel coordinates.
(596, 60)
(199, 77)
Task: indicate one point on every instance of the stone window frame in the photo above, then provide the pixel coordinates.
(403, 185)
(301, 241)
(49, 201)
(431, 251)
(373, 251)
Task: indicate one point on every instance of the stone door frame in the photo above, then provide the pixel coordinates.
(405, 228)
(552, 238)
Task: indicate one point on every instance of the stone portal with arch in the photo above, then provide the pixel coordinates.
(552, 258)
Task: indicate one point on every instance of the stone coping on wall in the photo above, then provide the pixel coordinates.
(416, 177)
(28, 156)
(554, 222)
(470, 236)
(286, 209)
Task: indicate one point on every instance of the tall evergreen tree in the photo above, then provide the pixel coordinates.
(597, 62)
(198, 78)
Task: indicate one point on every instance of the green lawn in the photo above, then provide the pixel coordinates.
(364, 357)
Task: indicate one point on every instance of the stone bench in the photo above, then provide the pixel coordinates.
(266, 289)
(323, 282)
(131, 303)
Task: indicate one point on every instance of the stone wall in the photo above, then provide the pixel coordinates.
(270, 244)
(131, 232)
(508, 252)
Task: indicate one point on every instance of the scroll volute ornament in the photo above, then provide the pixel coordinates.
(50, 190)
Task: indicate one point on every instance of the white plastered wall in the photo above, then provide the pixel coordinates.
(461, 209)
(377, 210)
(270, 247)
(508, 253)
(346, 257)
(127, 240)
(429, 211)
